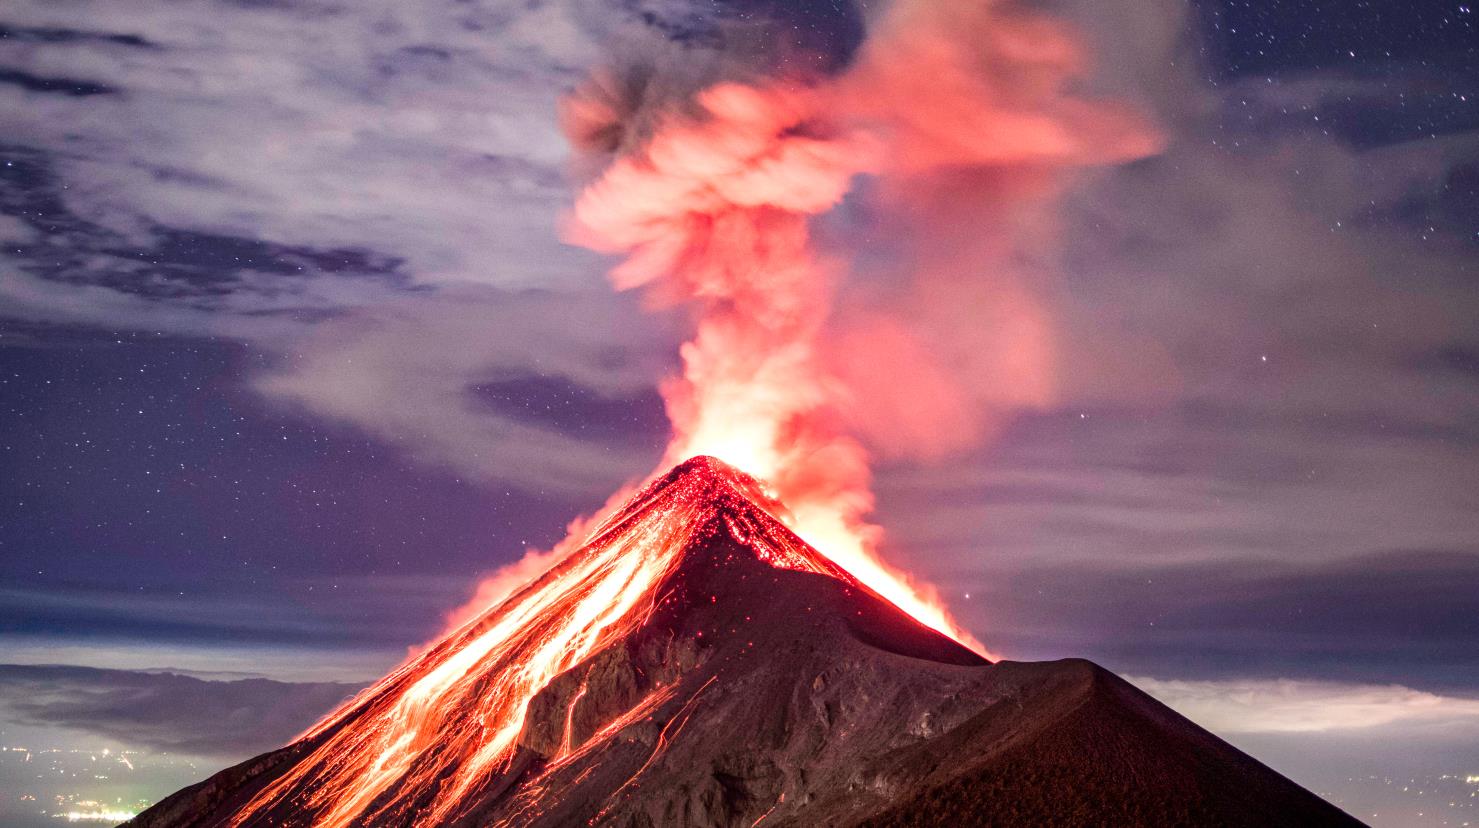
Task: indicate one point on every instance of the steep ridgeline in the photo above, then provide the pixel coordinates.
(696, 663)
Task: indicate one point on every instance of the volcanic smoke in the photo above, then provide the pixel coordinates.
(710, 200)
(710, 197)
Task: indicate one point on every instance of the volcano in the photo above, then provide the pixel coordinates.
(696, 663)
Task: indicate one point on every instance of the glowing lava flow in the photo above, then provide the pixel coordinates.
(447, 721)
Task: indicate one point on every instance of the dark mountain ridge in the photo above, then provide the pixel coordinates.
(758, 684)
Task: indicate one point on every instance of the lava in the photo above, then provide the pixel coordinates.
(448, 720)
(832, 707)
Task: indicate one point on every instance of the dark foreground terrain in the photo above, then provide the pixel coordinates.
(748, 694)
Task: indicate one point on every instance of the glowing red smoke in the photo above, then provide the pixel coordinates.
(711, 200)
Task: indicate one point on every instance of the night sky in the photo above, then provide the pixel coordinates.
(291, 353)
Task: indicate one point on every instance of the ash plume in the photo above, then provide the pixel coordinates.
(964, 119)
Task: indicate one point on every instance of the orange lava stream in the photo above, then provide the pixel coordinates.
(528, 795)
(664, 738)
(448, 720)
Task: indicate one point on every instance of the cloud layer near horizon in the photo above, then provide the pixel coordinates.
(1286, 706)
(166, 712)
(231, 717)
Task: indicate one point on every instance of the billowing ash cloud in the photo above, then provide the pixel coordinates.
(711, 184)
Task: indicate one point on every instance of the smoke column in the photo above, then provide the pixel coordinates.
(710, 199)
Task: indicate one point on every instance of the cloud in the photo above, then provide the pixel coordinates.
(210, 659)
(379, 216)
(1407, 617)
(204, 615)
(1265, 259)
(1287, 706)
(166, 711)
(1160, 485)
(348, 613)
(427, 135)
(422, 373)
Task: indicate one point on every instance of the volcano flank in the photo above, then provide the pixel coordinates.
(696, 663)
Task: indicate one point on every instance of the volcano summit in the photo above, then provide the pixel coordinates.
(697, 663)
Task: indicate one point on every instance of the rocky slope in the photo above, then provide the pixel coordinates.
(756, 685)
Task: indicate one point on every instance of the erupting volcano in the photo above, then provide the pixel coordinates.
(722, 651)
(695, 662)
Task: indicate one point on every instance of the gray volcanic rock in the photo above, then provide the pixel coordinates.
(753, 695)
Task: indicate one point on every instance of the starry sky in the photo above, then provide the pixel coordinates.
(291, 353)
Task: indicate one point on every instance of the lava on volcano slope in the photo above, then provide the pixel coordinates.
(448, 721)
(697, 663)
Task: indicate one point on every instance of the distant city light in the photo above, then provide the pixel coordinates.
(101, 815)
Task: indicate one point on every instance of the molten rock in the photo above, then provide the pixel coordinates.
(696, 663)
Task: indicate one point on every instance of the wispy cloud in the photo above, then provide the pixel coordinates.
(410, 373)
(166, 711)
(371, 196)
(426, 134)
(1288, 706)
